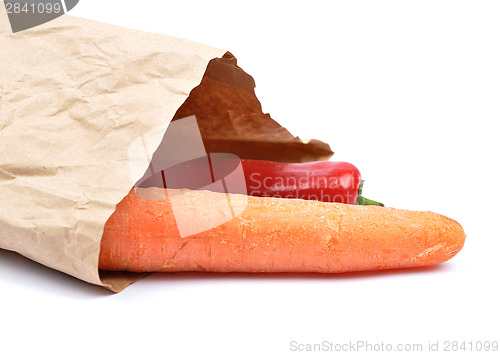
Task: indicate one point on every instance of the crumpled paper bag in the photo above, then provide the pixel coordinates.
(74, 94)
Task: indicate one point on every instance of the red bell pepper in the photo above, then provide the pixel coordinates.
(326, 181)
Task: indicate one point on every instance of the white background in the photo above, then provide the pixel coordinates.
(409, 91)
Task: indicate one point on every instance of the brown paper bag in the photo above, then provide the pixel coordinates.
(74, 94)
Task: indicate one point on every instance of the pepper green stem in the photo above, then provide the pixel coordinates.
(365, 201)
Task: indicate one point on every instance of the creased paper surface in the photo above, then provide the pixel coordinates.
(73, 94)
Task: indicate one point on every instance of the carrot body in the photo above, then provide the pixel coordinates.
(276, 235)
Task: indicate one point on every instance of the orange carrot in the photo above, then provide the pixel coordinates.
(276, 235)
